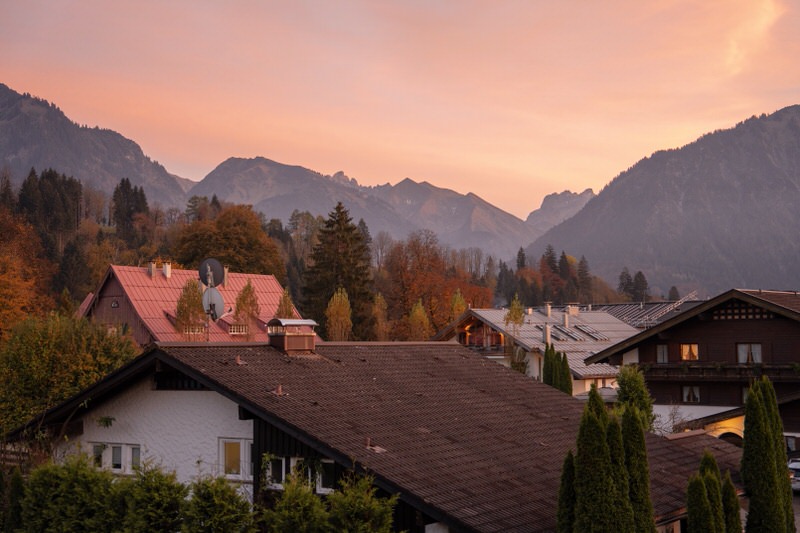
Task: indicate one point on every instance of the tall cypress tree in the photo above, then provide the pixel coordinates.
(566, 496)
(758, 470)
(341, 258)
(622, 504)
(596, 405)
(700, 519)
(776, 428)
(594, 488)
(709, 472)
(730, 505)
(547, 367)
(565, 375)
(638, 472)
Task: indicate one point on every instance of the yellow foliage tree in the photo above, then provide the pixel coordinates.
(339, 316)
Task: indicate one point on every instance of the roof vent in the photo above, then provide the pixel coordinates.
(292, 335)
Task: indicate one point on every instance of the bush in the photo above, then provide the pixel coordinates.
(215, 505)
(150, 501)
(356, 508)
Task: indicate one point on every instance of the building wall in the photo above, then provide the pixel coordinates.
(178, 430)
(115, 310)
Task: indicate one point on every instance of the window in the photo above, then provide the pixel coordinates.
(238, 329)
(691, 394)
(325, 477)
(234, 457)
(662, 353)
(116, 457)
(689, 352)
(136, 457)
(748, 352)
(97, 454)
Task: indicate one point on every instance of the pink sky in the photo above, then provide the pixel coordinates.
(510, 100)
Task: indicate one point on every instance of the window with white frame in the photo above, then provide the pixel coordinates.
(662, 353)
(275, 472)
(119, 457)
(748, 352)
(325, 477)
(234, 458)
(691, 394)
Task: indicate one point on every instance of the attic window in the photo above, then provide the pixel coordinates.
(114, 304)
(741, 311)
(196, 329)
(238, 329)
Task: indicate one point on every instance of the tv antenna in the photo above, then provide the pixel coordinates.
(211, 273)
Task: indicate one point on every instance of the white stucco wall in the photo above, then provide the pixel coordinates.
(178, 430)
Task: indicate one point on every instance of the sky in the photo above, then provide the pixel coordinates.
(510, 100)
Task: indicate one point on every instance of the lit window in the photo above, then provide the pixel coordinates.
(325, 477)
(691, 394)
(662, 353)
(234, 457)
(748, 352)
(689, 352)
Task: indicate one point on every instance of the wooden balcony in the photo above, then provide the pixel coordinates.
(727, 372)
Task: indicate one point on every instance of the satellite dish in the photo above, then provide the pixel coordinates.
(211, 272)
(212, 303)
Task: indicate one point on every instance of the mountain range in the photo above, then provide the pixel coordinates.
(717, 213)
(37, 134)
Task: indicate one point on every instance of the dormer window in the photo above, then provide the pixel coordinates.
(238, 329)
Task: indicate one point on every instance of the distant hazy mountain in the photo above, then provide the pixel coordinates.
(721, 212)
(34, 133)
(555, 209)
(277, 189)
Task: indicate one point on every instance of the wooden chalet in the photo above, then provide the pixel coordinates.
(699, 363)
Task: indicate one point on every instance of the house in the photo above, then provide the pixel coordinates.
(576, 332)
(143, 301)
(699, 363)
(468, 444)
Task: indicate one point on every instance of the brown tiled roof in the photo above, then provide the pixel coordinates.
(154, 299)
(472, 442)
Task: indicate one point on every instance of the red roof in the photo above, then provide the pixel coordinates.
(154, 297)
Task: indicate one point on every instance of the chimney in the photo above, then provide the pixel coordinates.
(529, 311)
(151, 269)
(167, 269)
(546, 334)
(566, 318)
(225, 276)
(547, 308)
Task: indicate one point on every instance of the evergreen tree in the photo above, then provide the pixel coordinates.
(16, 493)
(700, 518)
(548, 367)
(8, 198)
(565, 375)
(714, 494)
(584, 281)
(758, 468)
(521, 259)
(641, 290)
(638, 471)
(549, 259)
(597, 406)
(674, 295)
(594, 489)
(625, 285)
(285, 306)
(616, 449)
(338, 316)
(298, 509)
(564, 268)
(730, 505)
(247, 309)
(776, 429)
(566, 496)
(355, 507)
(632, 392)
(419, 326)
(215, 505)
(340, 259)
(128, 201)
(152, 500)
(74, 274)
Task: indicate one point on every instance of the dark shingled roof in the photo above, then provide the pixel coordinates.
(479, 444)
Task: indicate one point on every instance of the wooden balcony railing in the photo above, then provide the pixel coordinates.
(709, 371)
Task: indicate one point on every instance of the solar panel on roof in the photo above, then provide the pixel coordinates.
(589, 330)
(569, 333)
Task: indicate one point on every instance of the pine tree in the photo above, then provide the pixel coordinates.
(674, 295)
(641, 290)
(700, 519)
(638, 471)
(584, 281)
(730, 505)
(625, 286)
(285, 306)
(341, 258)
(338, 316)
(622, 504)
(521, 259)
(247, 309)
(566, 496)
